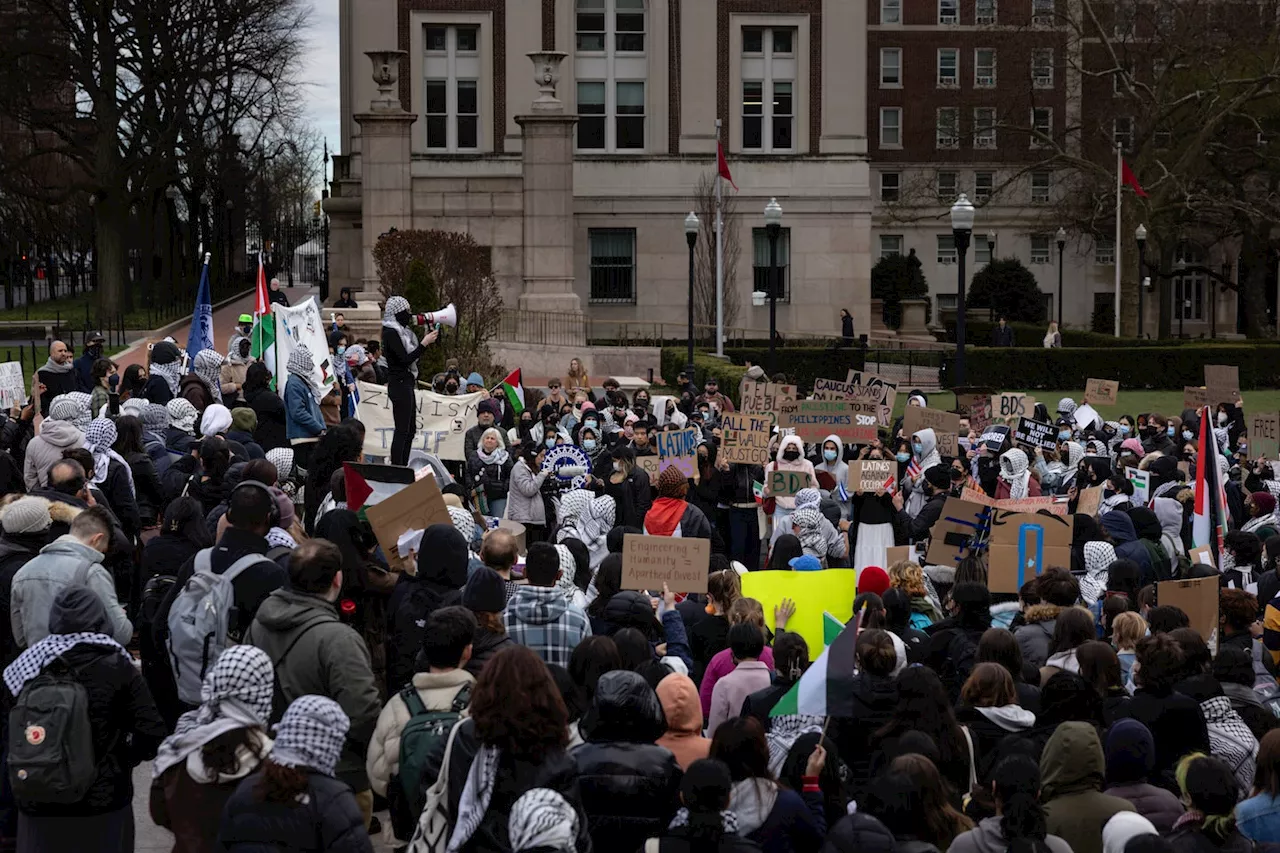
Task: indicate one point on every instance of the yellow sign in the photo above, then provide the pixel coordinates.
(832, 590)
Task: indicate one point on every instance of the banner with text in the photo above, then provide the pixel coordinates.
(441, 424)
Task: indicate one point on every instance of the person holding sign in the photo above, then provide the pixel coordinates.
(671, 514)
(873, 513)
(832, 462)
(790, 458)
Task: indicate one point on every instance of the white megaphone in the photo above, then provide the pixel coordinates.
(446, 316)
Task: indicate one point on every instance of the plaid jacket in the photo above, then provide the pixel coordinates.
(539, 617)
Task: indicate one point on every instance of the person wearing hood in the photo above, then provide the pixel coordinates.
(202, 387)
(1169, 513)
(200, 765)
(671, 514)
(990, 711)
(831, 461)
(1130, 760)
(924, 455)
(790, 457)
(933, 491)
(630, 785)
(1209, 790)
(1057, 589)
(125, 726)
(1073, 768)
(1015, 481)
(440, 575)
(539, 615)
(180, 438)
(57, 433)
(1020, 821)
(314, 652)
(683, 712)
(244, 422)
(1150, 533)
(1123, 828)
(1233, 667)
(25, 523)
(304, 422)
(57, 375)
(1124, 537)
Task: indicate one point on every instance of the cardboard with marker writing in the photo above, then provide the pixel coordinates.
(1101, 391)
(1194, 397)
(899, 553)
(885, 392)
(1007, 407)
(650, 561)
(415, 507)
(765, 398)
(1264, 435)
(1222, 383)
(945, 426)
(1090, 500)
(784, 483)
(1022, 545)
(960, 529)
(746, 438)
(871, 475)
(814, 420)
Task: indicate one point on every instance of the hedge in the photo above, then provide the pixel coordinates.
(1031, 336)
(674, 360)
(1149, 367)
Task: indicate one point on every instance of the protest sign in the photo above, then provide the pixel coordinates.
(1090, 501)
(884, 391)
(1194, 397)
(746, 438)
(442, 421)
(1101, 391)
(1202, 555)
(302, 324)
(1264, 434)
(678, 449)
(945, 426)
(898, 554)
(1086, 416)
(1035, 434)
(829, 389)
(1022, 545)
(1006, 408)
(814, 420)
(415, 507)
(1141, 482)
(960, 529)
(830, 591)
(980, 415)
(995, 438)
(871, 475)
(784, 484)
(1222, 383)
(765, 398)
(970, 396)
(1045, 503)
(1198, 599)
(13, 389)
(650, 561)
(652, 466)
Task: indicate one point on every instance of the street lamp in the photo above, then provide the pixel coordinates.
(961, 229)
(991, 246)
(691, 236)
(1141, 236)
(772, 228)
(1062, 244)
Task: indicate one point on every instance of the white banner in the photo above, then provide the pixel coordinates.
(13, 391)
(442, 421)
(302, 324)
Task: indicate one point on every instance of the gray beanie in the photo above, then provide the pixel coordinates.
(26, 515)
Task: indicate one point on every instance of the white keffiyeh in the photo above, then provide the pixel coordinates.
(33, 661)
(1015, 471)
(170, 372)
(1098, 557)
(476, 796)
(303, 365)
(396, 305)
(542, 819)
(98, 440)
(208, 366)
(311, 734)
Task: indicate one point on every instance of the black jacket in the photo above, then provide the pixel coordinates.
(682, 840)
(760, 703)
(859, 833)
(269, 408)
(121, 498)
(633, 497)
(874, 700)
(146, 488)
(442, 572)
(485, 645)
(399, 360)
(1177, 726)
(16, 550)
(630, 786)
(952, 654)
(918, 528)
(157, 390)
(329, 820)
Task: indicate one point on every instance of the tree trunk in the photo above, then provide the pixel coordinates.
(1255, 256)
(109, 217)
(1164, 326)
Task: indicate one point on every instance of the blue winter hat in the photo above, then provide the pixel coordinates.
(1131, 752)
(805, 563)
(475, 379)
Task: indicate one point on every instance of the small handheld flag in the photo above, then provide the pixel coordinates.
(513, 387)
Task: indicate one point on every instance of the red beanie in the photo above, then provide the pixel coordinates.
(873, 579)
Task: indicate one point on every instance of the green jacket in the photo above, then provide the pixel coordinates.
(1072, 768)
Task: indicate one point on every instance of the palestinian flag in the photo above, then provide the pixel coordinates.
(831, 628)
(367, 485)
(826, 688)
(514, 389)
(1209, 524)
(262, 340)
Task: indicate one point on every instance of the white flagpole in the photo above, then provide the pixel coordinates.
(1119, 239)
(719, 254)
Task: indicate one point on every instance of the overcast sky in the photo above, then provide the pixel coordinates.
(321, 71)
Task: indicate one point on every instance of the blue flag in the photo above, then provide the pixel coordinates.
(200, 337)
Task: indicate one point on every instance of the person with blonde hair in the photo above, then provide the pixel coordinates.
(708, 637)
(577, 378)
(1126, 630)
(907, 576)
(743, 610)
(1052, 338)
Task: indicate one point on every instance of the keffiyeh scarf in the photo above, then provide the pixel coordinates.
(311, 734)
(33, 661)
(476, 796)
(542, 819)
(808, 522)
(598, 519)
(395, 305)
(171, 373)
(809, 497)
(98, 439)
(728, 820)
(182, 415)
(466, 524)
(236, 694)
(783, 734)
(63, 408)
(303, 365)
(1015, 471)
(278, 537)
(208, 366)
(282, 458)
(83, 416)
(1098, 557)
(568, 569)
(573, 505)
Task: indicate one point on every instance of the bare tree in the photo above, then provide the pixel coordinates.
(704, 261)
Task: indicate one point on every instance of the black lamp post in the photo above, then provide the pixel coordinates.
(991, 246)
(1141, 236)
(324, 225)
(773, 228)
(1062, 244)
(691, 236)
(961, 229)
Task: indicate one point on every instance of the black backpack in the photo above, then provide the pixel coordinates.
(51, 755)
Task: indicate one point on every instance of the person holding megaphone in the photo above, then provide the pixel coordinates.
(403, 349)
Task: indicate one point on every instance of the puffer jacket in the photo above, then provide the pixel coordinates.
(630, 786)
(1072, 768)
(1034, 637)
(1155, 804)
(437, 692)
(874, 699)
(988, 837)
(46, 448)
(524, 495)
(328, 820)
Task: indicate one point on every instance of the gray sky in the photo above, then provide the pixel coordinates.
(320, 73)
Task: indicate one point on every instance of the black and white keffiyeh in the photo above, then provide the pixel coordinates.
(1098, 557)
(542, 819)
(98, 440)
(63, 408)
(475, 797)
(783, 733)
(1231, 739)
(302, 364)
(1015, 470)
(728, 820)
(83, 416)
(182, 415)
(33, 661)
(311, 734)
(208, 366)
(396, 305)
(236, 694)
(171, 372)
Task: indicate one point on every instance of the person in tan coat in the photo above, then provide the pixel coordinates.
(680, 703)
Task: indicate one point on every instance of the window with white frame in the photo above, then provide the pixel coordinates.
(613, 264)
(1041, 127)
(983, 185)
(891, 11)
(948, 67)
(1040, 184)
(452, 95)
(1041, 253)
(984, 12)
(1042, 68)
(768, 89)
(1188, 286)
(948, 11)
(984, 128)
(891, 67)
(1122, 132)
(946, 186)
(890, 245)
(981, 249)
(948, 127)
(946, 249)
(890, 127)
(984, 67)
(890, 186)
(611, 70)
(761, 268)
(1104, 251)
(1042, 13)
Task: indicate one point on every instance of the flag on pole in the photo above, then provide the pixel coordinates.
(723, 165)
(263, 337)
(367, 485)
(1129, 179)
(200, 337)
(826, 688)
(514, 389)
(1209, 524)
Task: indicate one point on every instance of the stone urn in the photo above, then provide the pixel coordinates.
(546, 74)
(386, 73)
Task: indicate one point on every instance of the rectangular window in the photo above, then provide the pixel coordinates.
(948, 67)
(613, 264)
(890, 127)
(451, 89)
(1040, 249)
(1122, 132)
(981, 249)
(947, 184)
(591, 115)
(891, 67)
(591, 26)
(630, 119)
(1104, 251)
(1042, 68)
(984, 128)
(752, 40)
(948, 11)
(1042, 13)
(769, 89)
(752, 115)
(783, 115)
(983, 185)
(628, 26)
(946, 249)
(890, 245)
(1040, 187)
(984, 12)
(438, 114)
(1041, 127)
(468, 114)
(948, 127)
(891, 11)
(437, 39)
(468, 39)
(762, 269)
(610, 37)
(984, 68)
(783, 41)
(890, 185)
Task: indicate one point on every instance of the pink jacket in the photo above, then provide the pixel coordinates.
(779, 464)
(720, 666)
(732, 690)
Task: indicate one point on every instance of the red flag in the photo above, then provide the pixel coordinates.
(1128, 178)
(723, 165)
(262, 303)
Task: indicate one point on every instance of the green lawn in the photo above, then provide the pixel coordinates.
(1130, 402)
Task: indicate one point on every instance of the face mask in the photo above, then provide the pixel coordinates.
(1169, 432)
(1064, 435)
(551, 442)
(589, 424)
(791, 454)
(403, 318)
(1186, 435)
(342, 350)
(903, 457)
(589, 444)
(918, 448)
(1222, 418)
(829, 455)
(1124, 429)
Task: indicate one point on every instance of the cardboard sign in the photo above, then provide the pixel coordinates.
(945, 426)
(980, 415)
(1222, 383)
(13, 389)
(1194, 397)
(1008, 407)
(1090, 500)
(765, 398)
(899, 554)
(746, 438)
(415, 507)
(885, 390)
(814, 420)
(1045, 503)
(814, 593)
(1141, 482)
(784, 484)
(868, 476)
(652, 466)
(961, 529)
(1198, 599)
(1086, 416)
(1034, 433)
(1022, 545)
(1202, 555)
(1264, 434)
(994, 438)
(1101, 391)
(678, 449)
(829, 389)
(971, 396)
(650, 561)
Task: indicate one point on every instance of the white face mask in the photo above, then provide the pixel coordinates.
(1222, 418)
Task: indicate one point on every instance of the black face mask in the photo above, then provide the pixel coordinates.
(403, 318)
(791, 454)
